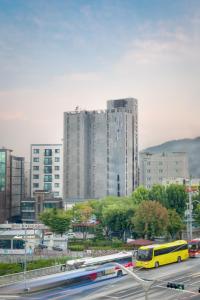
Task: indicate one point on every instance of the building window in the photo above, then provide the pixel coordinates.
(35, 159)
(160, 171)
(57, 168)
(47, 178)
(35, 168)
(57, 185)
(35, 176)
(48, 170)
(57, 159)
(57, 150)
(47, 186)
(35, 185)
(56, 194)
(48, 152)
(36, 151)
(48, 161)
(148, 171)
(57, 176)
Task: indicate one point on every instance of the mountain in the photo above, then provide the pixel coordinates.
(191, 146)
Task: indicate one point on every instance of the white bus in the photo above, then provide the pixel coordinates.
(103, 266)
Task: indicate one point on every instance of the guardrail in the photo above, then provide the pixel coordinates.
(12, 278)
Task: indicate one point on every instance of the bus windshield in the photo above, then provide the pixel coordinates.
(144, 255)
(192, 246)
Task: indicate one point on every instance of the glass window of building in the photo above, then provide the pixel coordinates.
(56, 185)
(48, 161)
(57, 150)
(47, 178)
(35, 176)
(48, 152)
(48, 170)
(57, 168)
(36, 185)
(47, 186)
(57, 176)
(35, 159)
(36, 151)
(35, 168)
(57, 159)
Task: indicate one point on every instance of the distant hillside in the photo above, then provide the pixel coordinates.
(191, 146)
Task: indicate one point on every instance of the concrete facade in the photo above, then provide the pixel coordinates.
(155, 168)
(46, 168)
(101, 151)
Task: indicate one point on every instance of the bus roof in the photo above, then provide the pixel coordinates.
(165, 245)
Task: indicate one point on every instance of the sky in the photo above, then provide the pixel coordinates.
(59, 54)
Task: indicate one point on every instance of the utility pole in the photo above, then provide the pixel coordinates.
(190, 213)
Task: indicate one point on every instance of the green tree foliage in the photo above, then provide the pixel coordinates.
(57, 220)
(175, 224)
(151, 219)
(197, 214)
(140, 194)
(82, 213)
(114, 214)
(158, 193)
(117, 218)
(176, 198)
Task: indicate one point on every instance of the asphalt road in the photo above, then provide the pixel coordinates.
(126, 288)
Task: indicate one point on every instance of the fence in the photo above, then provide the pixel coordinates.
(7, 279)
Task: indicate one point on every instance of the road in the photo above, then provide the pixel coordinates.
(126, 288)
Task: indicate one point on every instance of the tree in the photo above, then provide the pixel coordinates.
(197, 214)
(57, 220)
(116, 217)
(158, 193)
(82, 213)
(176, 198)
(151, 219)
(140, 194)
(175, 224)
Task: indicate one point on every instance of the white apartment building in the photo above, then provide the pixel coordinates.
(101, 151)
(46, 168)
(156, 168)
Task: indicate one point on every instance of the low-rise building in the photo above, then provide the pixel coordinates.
(46, 168)
(33, 206)
(155, 167)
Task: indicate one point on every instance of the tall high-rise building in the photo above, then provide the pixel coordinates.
(155, 168)
(11, 185)
(101, 151)
(46, 168)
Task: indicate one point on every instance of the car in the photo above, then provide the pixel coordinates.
(42, 246)
(71, 235)
(57, 248)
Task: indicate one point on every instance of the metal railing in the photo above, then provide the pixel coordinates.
(12, 278)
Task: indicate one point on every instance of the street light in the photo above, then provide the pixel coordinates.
(146, 284)
(26, 289)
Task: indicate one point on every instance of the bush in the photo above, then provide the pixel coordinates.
(76, 247)
(11, 268)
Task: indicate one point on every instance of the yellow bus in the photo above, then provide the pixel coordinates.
(157, 255)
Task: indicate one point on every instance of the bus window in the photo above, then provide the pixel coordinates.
(144, 255)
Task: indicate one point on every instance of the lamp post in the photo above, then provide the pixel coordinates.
(26, 289)
(24, 238)
(146, 284)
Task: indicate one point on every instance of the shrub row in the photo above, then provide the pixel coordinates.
(11, 268)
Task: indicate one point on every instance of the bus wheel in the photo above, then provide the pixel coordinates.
(179, 259)
(119, 273)
(156, 264)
